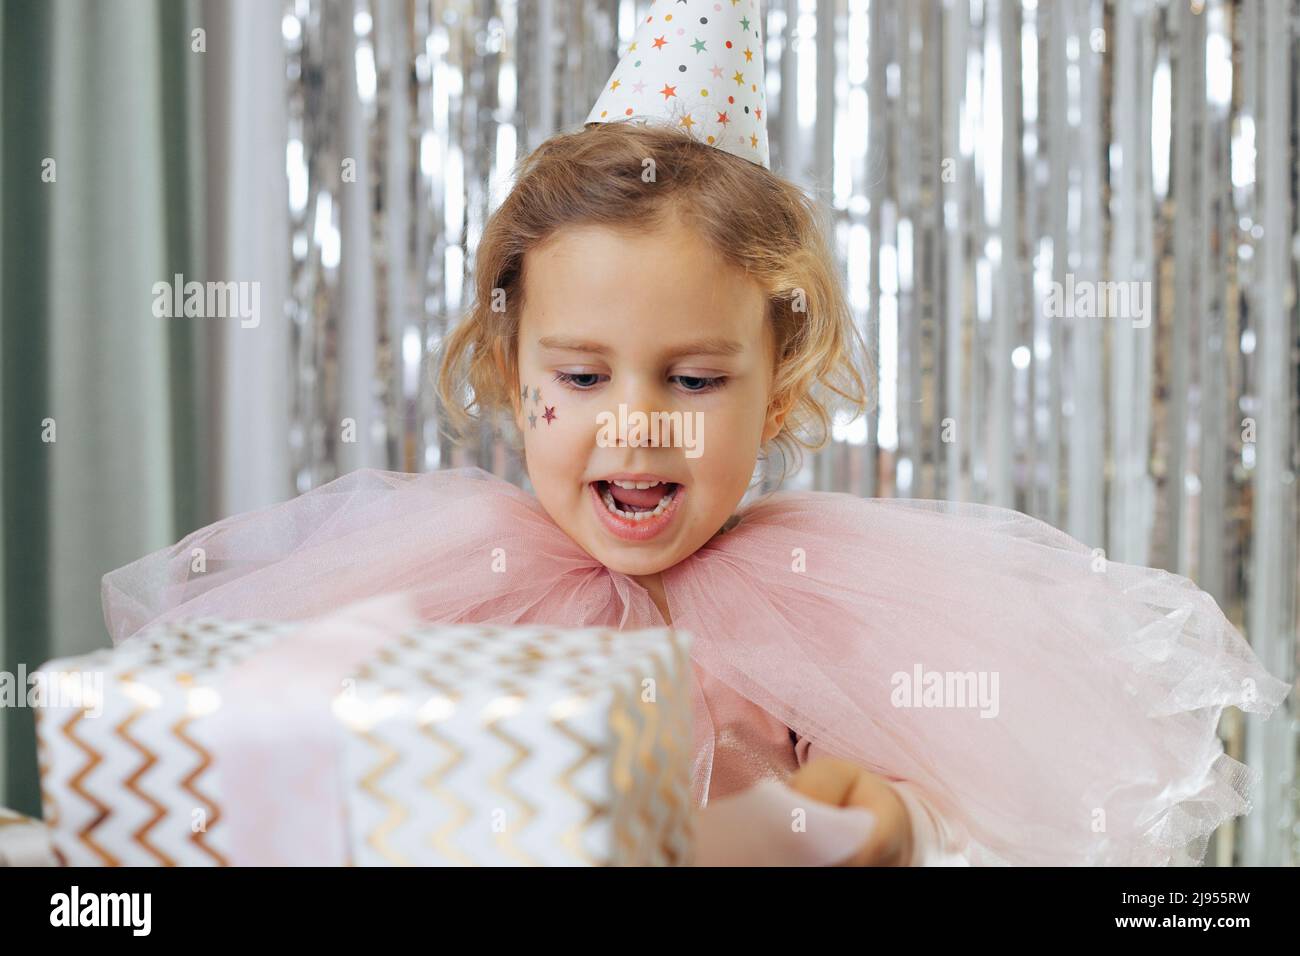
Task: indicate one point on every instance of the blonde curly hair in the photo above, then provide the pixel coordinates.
(775, 235)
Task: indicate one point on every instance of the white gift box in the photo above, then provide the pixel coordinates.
(23, 841)
(445, 745)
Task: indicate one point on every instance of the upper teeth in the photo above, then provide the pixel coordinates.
(635, 484)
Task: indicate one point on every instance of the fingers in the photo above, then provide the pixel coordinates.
(827, 779)
(845, 784)
(890, 844)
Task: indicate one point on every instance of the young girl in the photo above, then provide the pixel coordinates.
(981, 683)
(969, 674)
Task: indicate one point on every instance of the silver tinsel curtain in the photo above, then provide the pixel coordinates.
(1068, 229)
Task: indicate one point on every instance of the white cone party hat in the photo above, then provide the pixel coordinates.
(697, 65)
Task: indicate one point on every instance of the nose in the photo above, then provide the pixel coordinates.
(646, 394)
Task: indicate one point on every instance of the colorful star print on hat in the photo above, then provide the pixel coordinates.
(697, 65)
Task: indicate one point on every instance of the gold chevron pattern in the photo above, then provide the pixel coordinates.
(93, 760)
(603, 779)
(389, 758)
(49, 805)
(679, 836)
(395, 812)
(592, 810)
(189, 784)
(648, 747)
(500, 783)
(147, 683)
(50, 816)
(640, 749)
(443, 839)
(141, 835)
(625, 732)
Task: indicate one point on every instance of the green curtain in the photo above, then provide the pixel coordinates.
(110, 91)
(25, 61)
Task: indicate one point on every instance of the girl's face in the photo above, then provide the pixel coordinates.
(614, 326)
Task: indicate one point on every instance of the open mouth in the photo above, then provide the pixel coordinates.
(636, 500)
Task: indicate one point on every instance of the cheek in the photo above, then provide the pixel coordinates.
(731, 433)
(738, 426)
(551, 424)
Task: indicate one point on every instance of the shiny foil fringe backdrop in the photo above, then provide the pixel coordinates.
(982, 159)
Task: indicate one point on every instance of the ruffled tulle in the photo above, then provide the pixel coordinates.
(1095, 742)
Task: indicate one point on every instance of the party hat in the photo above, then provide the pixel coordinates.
(697, 65)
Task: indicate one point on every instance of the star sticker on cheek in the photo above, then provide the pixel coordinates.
(532, 420)
(537, 395)
(550, 414)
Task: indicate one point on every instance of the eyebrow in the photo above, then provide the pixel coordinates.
(706, 346)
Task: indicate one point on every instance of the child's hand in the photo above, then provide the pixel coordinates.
(844, 784)
(757, 827)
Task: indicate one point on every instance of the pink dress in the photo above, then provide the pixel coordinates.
(1035, 705)
(751, 745)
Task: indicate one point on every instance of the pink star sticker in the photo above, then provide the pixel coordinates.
(550, 414)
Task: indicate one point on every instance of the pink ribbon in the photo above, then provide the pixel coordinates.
(277, 747)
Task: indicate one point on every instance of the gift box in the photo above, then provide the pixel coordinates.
(23, 841)
(345, 741)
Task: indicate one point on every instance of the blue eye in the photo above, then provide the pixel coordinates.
(577, 380)
(586, 381)
(701, 384)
